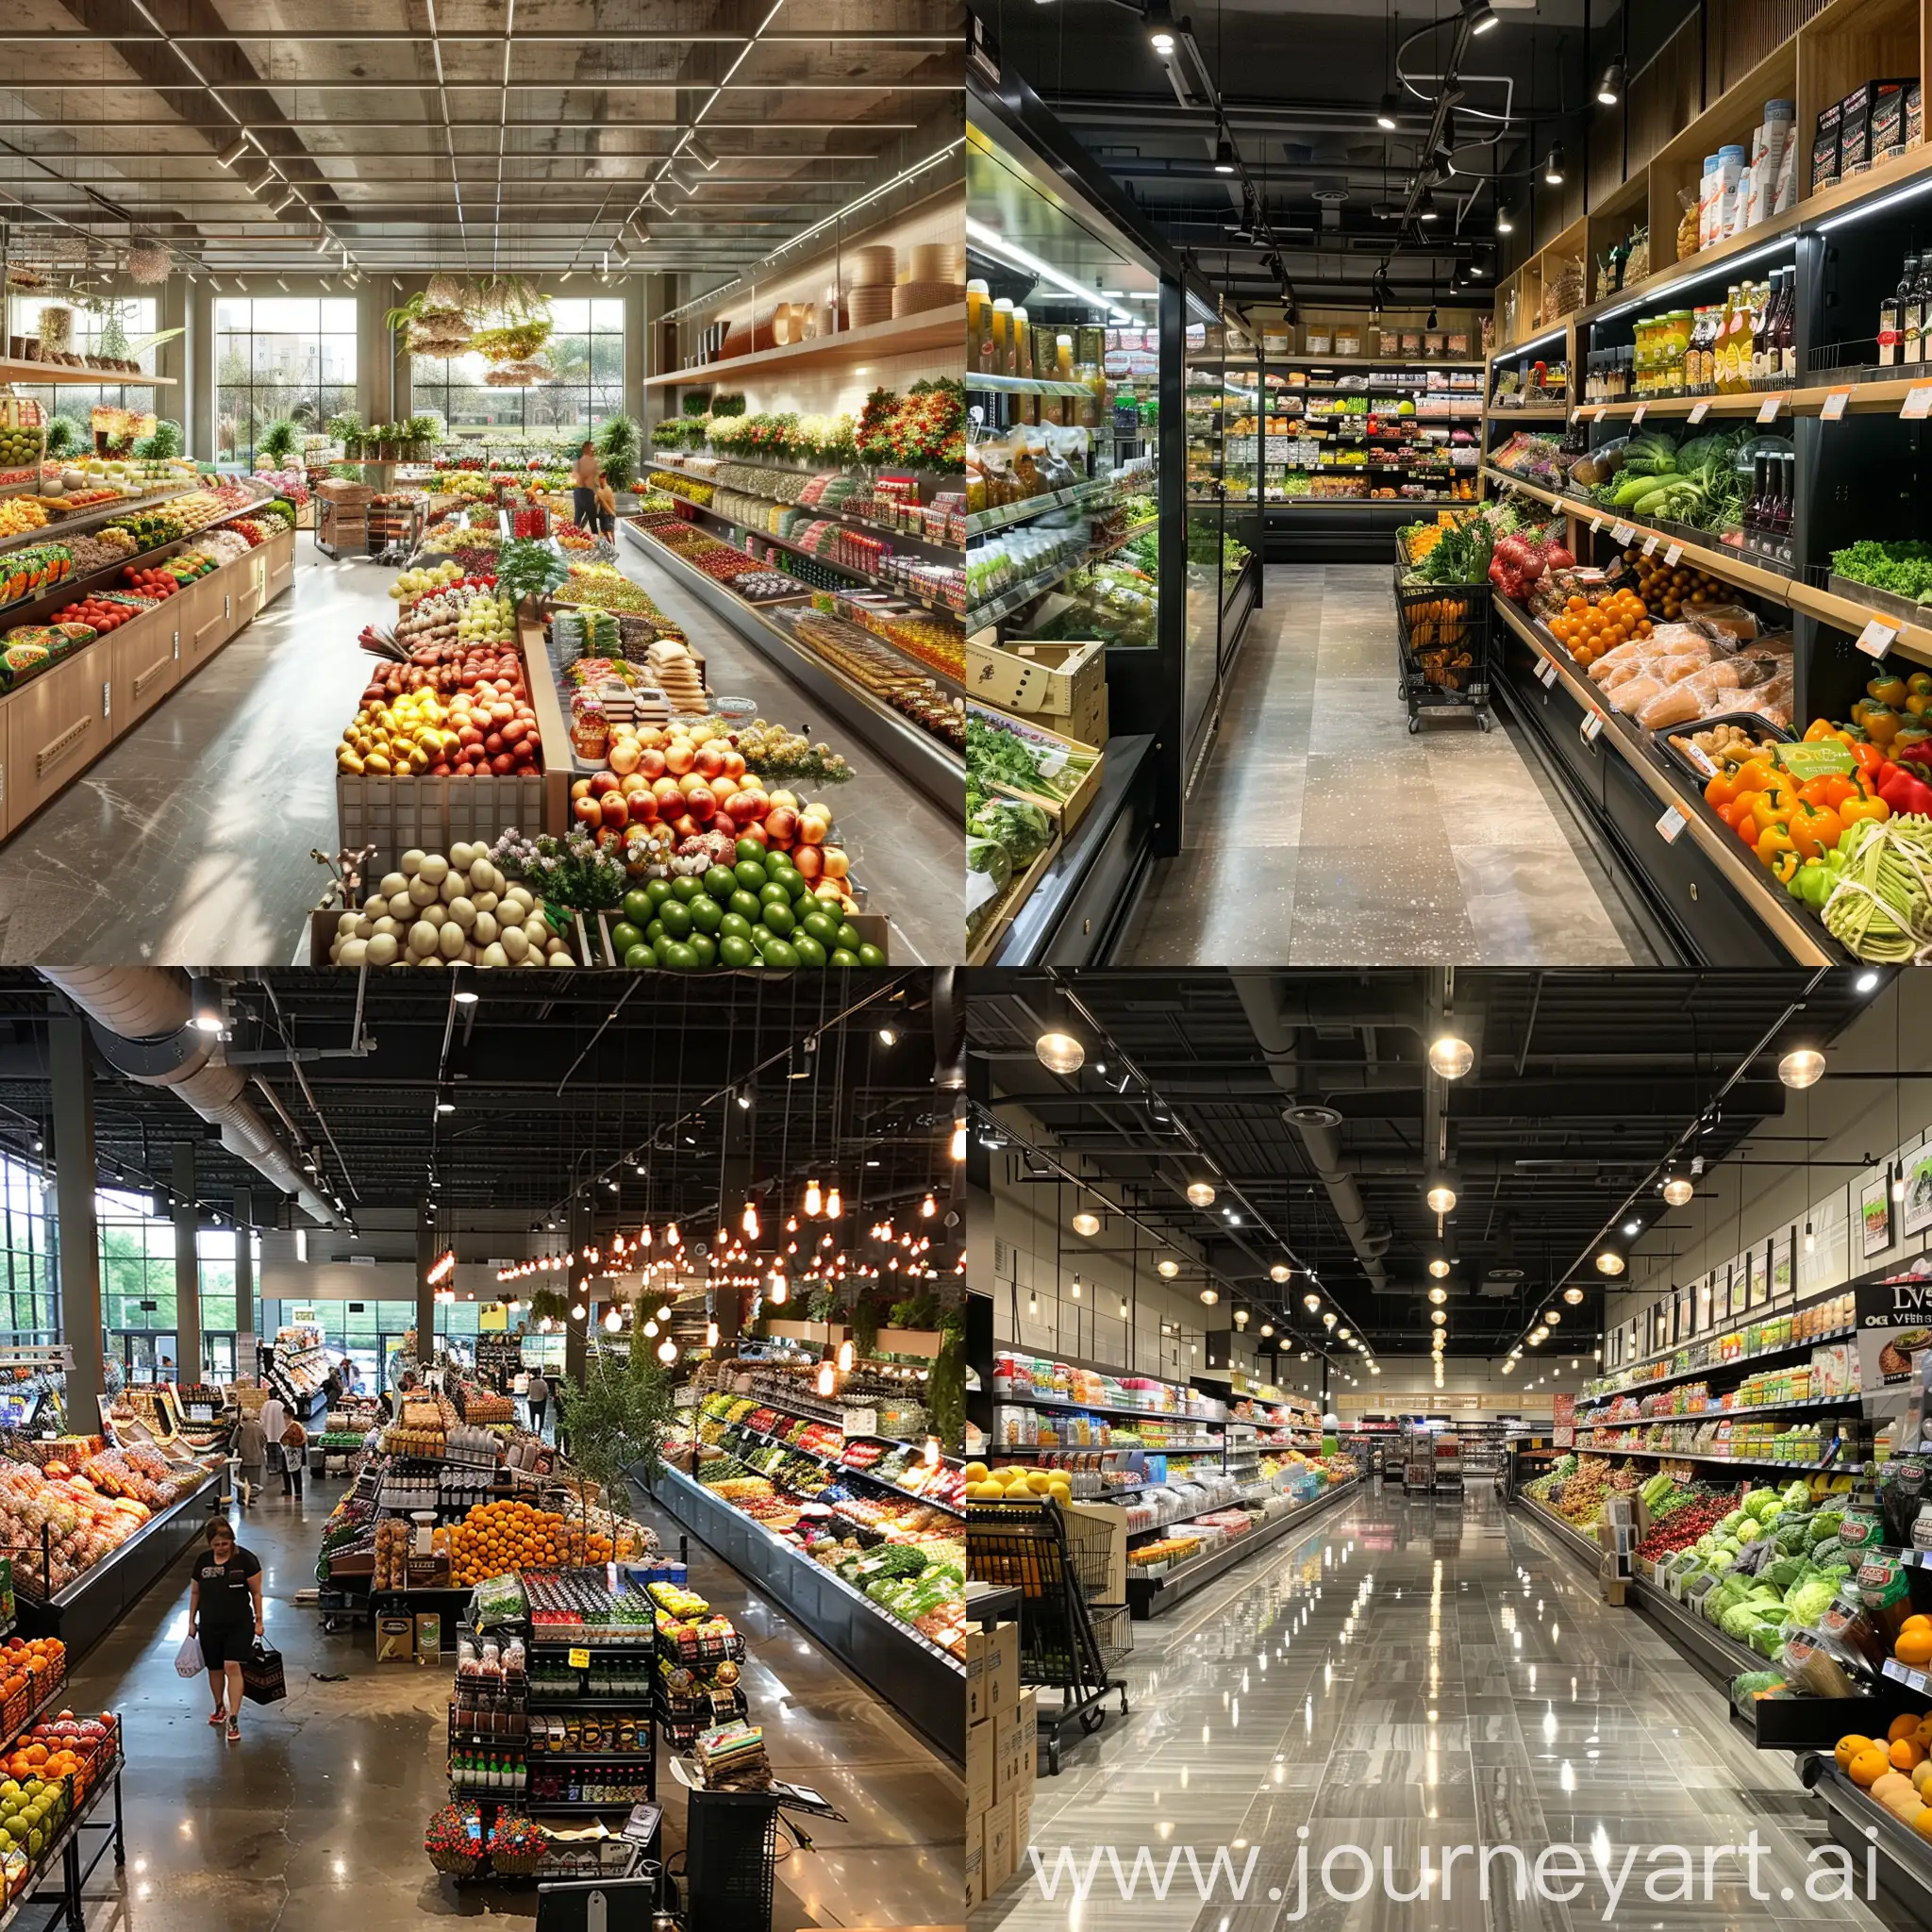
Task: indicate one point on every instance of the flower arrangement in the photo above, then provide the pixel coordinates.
(572, 870)
(925, 430)
(452, 1839)
(148, 261)
(517, 1844)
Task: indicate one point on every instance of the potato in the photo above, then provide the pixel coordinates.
(450, 941)
(483, 932)
(422, 892)
(435, 868)
(393, 883)
(423, 938)
(485, 902)
(493, 956)
(515, 942)
(411, 863)
(364, 926)
(382, 950)
(353, 953)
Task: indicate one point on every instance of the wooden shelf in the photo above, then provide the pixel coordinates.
(1861, 399)
(11, 370)
(1546, 413)
(904, 335)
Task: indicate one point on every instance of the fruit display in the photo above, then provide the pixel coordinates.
(1591, 629)
(859, 648)
(579, 1608)
(442, 910)
(1015, 1485)
(486, 724)
(726, 564)
(20, 514)
(81, 1526)
(602, 586)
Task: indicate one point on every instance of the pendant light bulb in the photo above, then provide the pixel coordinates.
(671, 1238)
(1804, 1066)
(1328, 1318)
(1572, 1295)
(1312, 1301)
(710, 1335)
(1451, 1057)
(613, 1320)
(1167, 1268)
(1678, 1191)
(1441, 1198)
(667, 1351)
(958, 1148)
(845, 1353)
(824, 1383)
(929, 1208)
(1201, 1193)
(576, 1313)
(1439, 1266)
(835, 1205)
(779, 1290)
(1281, 1272)
(1898, 1181)
(749, 1222)
(1059, 1053)
(814, 1200)
(1085, 1223)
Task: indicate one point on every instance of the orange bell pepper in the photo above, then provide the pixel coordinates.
(1863, 805)
(1820, 728)
(1871, 757)
(1828, 791)
(1882, 724)
(1754, 774)
(1813, 830)
(1773, 805)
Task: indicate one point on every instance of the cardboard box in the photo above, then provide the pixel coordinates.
(1023, 1824)
(1012, 1754)
(975, 1865)
(1061, 684)
(979, 1653)
(1029, 1720)
(395, 1638)
(982, 1778)
(1003, 1669)
(429, 1636)
(996, 1847)
(1825, 148)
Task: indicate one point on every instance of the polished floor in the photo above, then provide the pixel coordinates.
(1320, 831)
(189, 842)
(315, 1819)
(1414, 1675)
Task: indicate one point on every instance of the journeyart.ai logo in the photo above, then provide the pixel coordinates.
(1595, 1875)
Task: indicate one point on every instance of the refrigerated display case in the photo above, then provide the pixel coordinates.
(1223, 513)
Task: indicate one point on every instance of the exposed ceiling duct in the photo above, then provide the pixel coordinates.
(142, 1018)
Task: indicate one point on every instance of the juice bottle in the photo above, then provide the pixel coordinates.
(1727, 345)
(978, 301)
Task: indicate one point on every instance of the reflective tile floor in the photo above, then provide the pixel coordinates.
(1321, 832)
(1414, 1676)
(315, 1819)
(189, 844)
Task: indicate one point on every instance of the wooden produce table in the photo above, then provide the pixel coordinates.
(54, 725)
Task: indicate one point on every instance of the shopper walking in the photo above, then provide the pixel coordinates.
(583, 495)
(225, 1613)
(251, 1452)
(537, 1393)
(294, 1458)
(274, 1419)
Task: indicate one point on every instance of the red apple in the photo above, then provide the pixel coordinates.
(781, 825)
(701, 805)
(643, 808)
(616, 809)
(589, 812)
(652, 763)
(602, 782)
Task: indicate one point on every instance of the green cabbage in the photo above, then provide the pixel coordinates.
(1791, 1535)
(1759, 1500)
(1740, 1621)
(1798, 1496)
(1749, 1531)
(1767, 1640)
(1824, 1525)
(1809, 1600)
(1826, 1552)
(1783, 1573)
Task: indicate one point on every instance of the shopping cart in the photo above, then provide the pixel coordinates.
(1442, 646)
(1048, 1558)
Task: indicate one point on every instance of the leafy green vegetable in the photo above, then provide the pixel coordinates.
(1903, 567)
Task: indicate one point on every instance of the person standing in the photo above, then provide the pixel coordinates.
(225, 1613)
(251, 1451)
(274, 1419)
(294, 1458)
(583, 495)
(537, 1393)
(607, 508)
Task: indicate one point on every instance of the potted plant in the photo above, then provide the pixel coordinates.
(277, 444)
(420, 434)
(617, 1422)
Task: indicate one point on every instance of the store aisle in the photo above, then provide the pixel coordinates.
(190, 838)
(1416, 1673)
(1321, 832)
(317, 1816)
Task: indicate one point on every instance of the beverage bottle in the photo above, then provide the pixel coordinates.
(1727, 344)
(1787, 344)
(1891, 318)
(1920, 301)
(1762, 318)
(1912, 314)
(1756, 510)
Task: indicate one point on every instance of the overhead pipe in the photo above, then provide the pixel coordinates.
(141, 1019)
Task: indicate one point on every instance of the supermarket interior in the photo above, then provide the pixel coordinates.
(596, 388)
(581, 1360)
(1388, 1336)
(1511, 414)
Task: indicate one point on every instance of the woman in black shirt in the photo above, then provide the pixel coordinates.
(225, 1610)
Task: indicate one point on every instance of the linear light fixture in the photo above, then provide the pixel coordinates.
(1727, 266)
(996, 243)
(1872, 208)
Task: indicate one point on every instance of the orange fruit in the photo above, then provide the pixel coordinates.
(1848, 1748)
(1868, 1765)
(1906, 1753)
(1914, 1647)
(1903, 1726)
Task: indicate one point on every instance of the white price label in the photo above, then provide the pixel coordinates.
(1546, 674)
(1603, 409)
(1672, 554)
(1671, 825)
(1637, 414)
(1918, 403)
(1767, 409)
(1596, 524)
(1593, 727)
(1698, 413)
(1650, 543)
(860, 1422)
(1875, 638)
(1622, 533)
(1834, 405)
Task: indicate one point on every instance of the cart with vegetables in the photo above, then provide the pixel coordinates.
(1442, 617)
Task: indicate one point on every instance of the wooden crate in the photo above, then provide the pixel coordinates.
(1060, 685)
(1069, 814)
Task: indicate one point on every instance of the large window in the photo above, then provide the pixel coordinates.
(280, 355)
(114, 331)
(32, 1297)
(138, 1309)
(586, 351)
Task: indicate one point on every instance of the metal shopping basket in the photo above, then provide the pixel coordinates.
(1027, 1547)
(1442, 646)
(1114, 1630)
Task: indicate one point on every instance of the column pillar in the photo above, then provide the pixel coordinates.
(186, 1267)
(426, 1291)
(72, 1057)
(245, 1285)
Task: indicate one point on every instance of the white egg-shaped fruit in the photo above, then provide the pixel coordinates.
(382, 950)
(450, 940)
(484, 901)
(435, 868)
(515, 942)
(493, 956)
(423, 938)
(482, 875)
(483, 928)
(393, 883)
(422, 892)
(463, 855)
(401, 906)
(346, 924)
(364, 926)
(462, 912)
(411, 863)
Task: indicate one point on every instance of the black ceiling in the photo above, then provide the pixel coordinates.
(1583, 1082)
(556, 1079)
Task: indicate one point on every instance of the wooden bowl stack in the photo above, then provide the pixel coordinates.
(937, 280)
(869, 289)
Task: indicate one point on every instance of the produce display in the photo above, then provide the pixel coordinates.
(1902, 567)
(81, 1525)
(435, 910)
(404, 726)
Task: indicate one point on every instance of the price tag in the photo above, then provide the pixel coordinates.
(579, 1657)
(1674, 553)
(1698, 413)
(1767, 409)
(1622, 533)
(1593, 727)
(1877, 637)
(1918, 403)
(860, 1422)
(1596, 524)
(1650, 543)
(1637, 414)
(1546, 674)
(1671, 825)
(1835, 402)
(1603, 409)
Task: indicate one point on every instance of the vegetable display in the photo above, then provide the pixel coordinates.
(1904, 567)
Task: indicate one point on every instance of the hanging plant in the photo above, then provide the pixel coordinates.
(548, 1304)
(945, 1383)
(56, 329)
(515, 341)
(148, 261)
(446, 292)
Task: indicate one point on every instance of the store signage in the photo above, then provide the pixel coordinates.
(1698, 413)
(1825, 758)
(684, 1397)
(1596, 524)
(1894, 1320)
(493, 1318)
(1563, 1408)
(640, 1827)
(1835, 403)
(579, 1657)
(1593, 727)
(1546, 674)
(300, 1315)
(1637, 415)
(860, 1422)
(1877, 637)
(1767, 409)
(357, 1307)
(1650, 543)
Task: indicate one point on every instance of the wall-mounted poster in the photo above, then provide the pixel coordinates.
(1875, 1217)
(1758, 1262)
(1783, 1281)
(1686, 1307)
(1895, 1317)
(1917, 1206)
(1705, 1316)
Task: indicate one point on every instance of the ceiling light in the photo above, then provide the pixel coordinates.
(1210, 1295)
(1159, 19)
(1804, 1066)
(1441, 1198)
(1610, 90)
(1609, 1263)
(1479, 15)
(1439, 1266)
(1439, 1319)
(1553, 165)
(1451, 1057)
(1677, 1190)
(1328, 1318)
(289, 200)
(640, 233)
(1059, 1052)
(1439, 1296)
(1505, 224)
(1551, 1318)
(1341, 1334)
(1385, 114)
(1631, 1228)
(1266, 1329)
(700, 154)
(620, 254)
(1224, 155)
(235, 150)
(445, 1107)
(1312, 1301)
(1201, 1193)
(204, 992)
(1537, 1337)
(1572, 1295)
(1085, 1223)
(1167, 1266)
(1866, 981)
(1280, 1272)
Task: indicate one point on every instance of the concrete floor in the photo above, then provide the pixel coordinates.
(189, 844)
(1415, 1674)
(316, 1818)
(1320, 832)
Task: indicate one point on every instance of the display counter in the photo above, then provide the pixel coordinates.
(926, 1687)
(1150, 1596)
